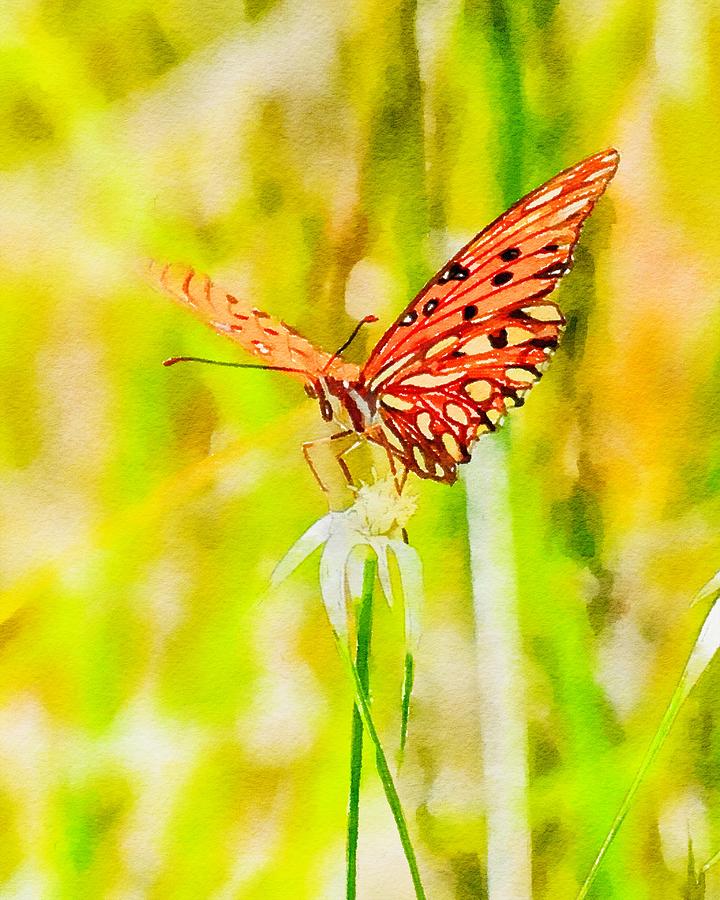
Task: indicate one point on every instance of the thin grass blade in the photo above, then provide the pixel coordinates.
(702, 654)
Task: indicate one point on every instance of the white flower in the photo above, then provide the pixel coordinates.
(375, 521)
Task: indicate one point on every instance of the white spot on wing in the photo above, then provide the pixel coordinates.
(479, 390)
(573, 208)
(441, 346)
(494, 415)
(477, 345)
(600, 173)
(419, 458)
(385, 373)
(517, 374)
(423, 424)
(392, 438)
(543, 312)
(545, 197)
(394, 402)
(517, 335)
(452, 446)
(430, 381)
(456, 413)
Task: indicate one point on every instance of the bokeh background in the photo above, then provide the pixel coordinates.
(168, 727)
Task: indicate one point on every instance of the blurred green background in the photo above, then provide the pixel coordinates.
(168, 729)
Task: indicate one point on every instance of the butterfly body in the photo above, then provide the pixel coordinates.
(469, 346)
(346, 402)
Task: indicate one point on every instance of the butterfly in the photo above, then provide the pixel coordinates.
(468, 347)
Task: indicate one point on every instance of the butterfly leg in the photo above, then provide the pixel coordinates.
(400, 481)
(399, 477)
(318, 453)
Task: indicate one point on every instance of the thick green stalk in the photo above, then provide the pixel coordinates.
(499, 653)
(362, 664)
(501, 675)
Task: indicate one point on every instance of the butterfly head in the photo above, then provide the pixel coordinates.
(317, 390)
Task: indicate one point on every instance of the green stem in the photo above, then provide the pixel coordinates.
(406, 695)
(363, 706)
(658, 740)
(362, 663)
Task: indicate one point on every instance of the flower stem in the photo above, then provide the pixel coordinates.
(363, 707)
(406, 695)
(362, 660)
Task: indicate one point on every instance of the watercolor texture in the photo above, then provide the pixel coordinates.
(198, 664)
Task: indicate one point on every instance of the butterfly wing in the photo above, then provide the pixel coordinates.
(223, 307)
(478, 336)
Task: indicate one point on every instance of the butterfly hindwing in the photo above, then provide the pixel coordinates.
(478, 336)
(431, 419)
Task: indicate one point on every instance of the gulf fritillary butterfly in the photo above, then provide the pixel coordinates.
(468, 347)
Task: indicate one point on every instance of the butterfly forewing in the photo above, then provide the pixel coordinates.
(226, 310)
(478, 336)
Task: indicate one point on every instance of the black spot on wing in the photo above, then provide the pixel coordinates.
(510, 254)
(484, 420)
(553, 271)
(409, 317)
(502, 278)
(454, 272)
(430, 307)
(470, 312)
(545, 343)
(498, 339)
(512, 394)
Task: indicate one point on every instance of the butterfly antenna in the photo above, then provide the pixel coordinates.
(233, 365)
(349, 341)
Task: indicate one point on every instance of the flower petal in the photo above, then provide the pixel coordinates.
(355, 568)
(332, 580)
(303, 547)
(380, 546)
(412, 584)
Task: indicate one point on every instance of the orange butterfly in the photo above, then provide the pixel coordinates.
(471, 344)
